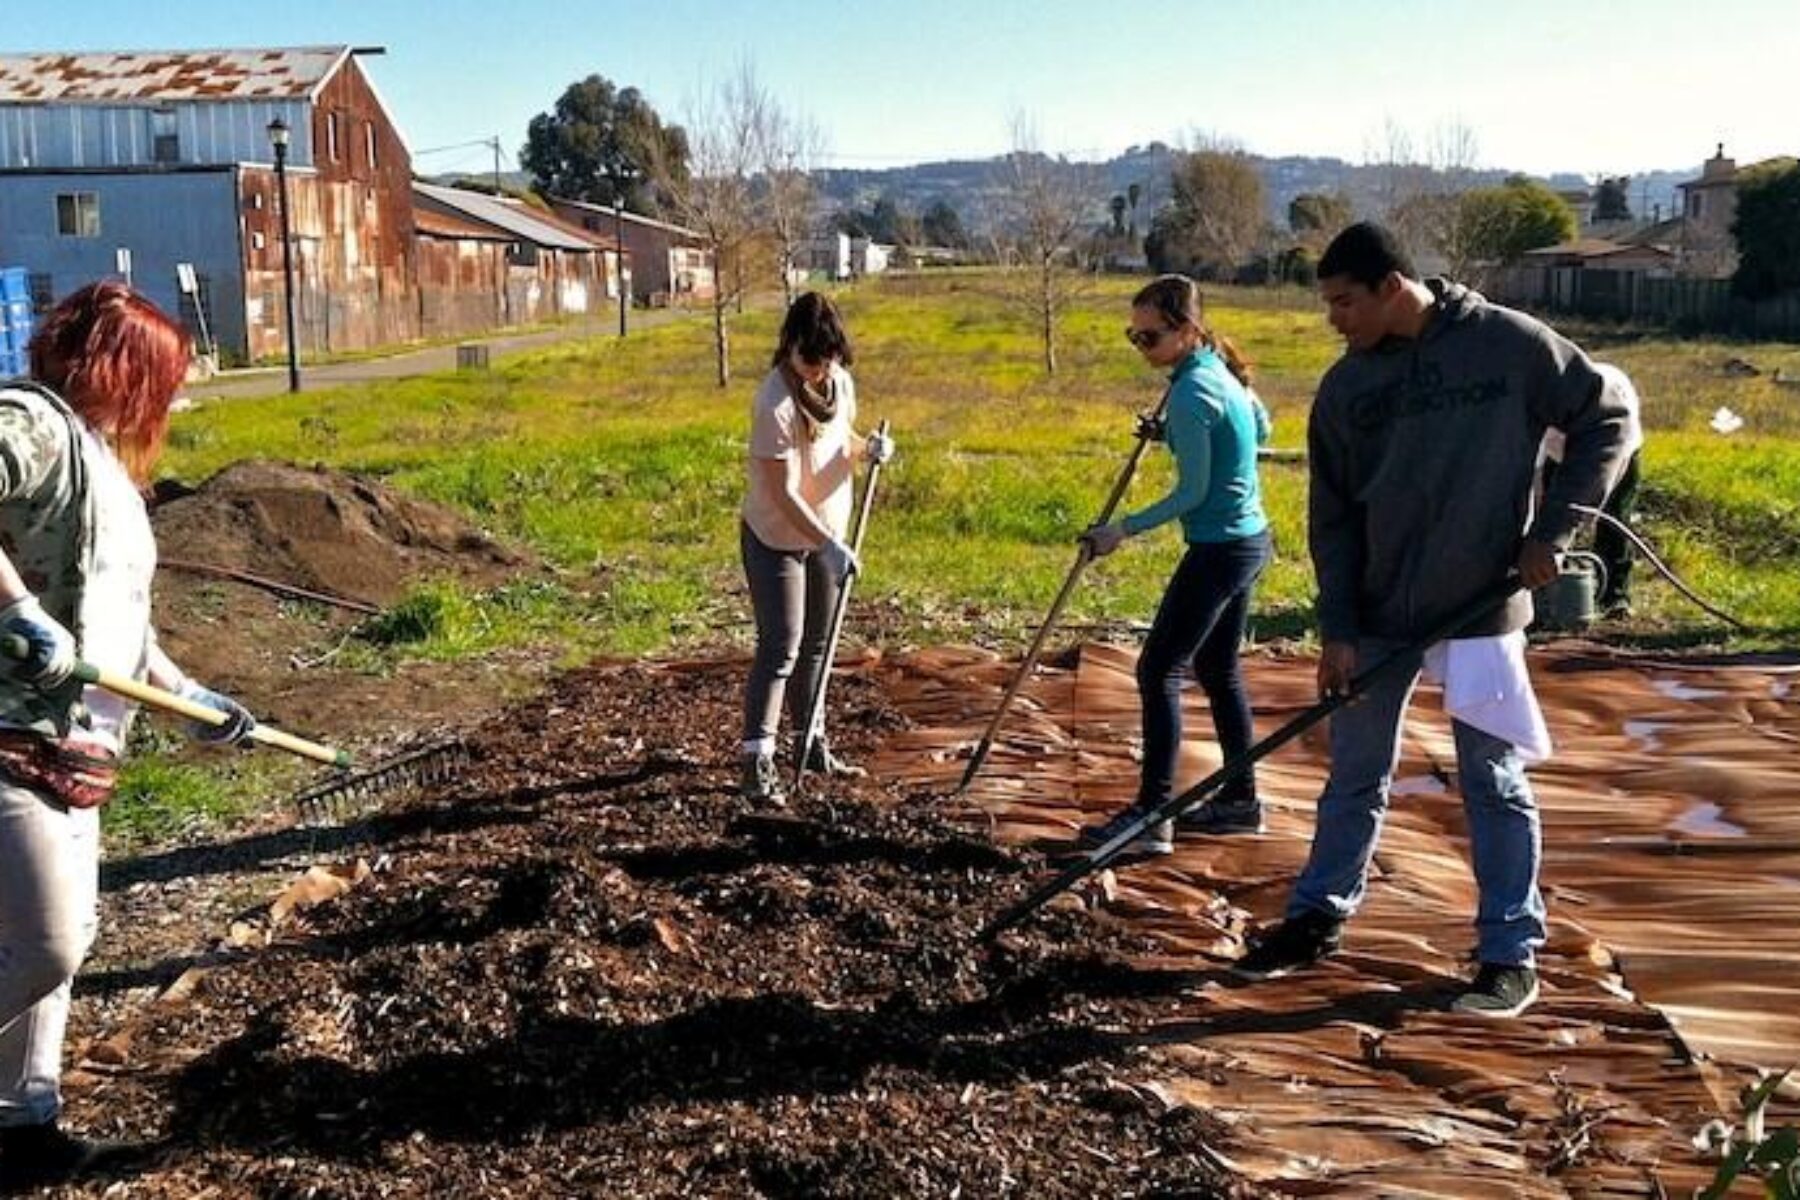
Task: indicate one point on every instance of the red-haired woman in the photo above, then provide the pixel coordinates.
(77, 442)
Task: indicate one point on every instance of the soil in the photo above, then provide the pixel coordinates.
(588, 967)
(585, 966)
(340, 535)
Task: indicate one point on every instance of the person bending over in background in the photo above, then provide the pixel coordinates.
(77, 442)
(1213, 426)
(1422, 446)
(803, 451)
(1611, 545)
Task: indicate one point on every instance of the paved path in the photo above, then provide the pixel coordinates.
(268, 381)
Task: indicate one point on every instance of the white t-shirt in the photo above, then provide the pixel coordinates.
(780, 429)
(116, 604)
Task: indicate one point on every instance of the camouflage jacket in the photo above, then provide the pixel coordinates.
(47, 524)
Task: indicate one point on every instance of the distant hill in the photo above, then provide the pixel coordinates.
(975, 187)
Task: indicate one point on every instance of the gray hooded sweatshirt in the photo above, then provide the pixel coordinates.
(1422, 455)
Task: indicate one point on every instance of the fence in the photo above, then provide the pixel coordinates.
(1687, 305)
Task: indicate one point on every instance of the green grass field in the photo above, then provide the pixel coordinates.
(622, 464)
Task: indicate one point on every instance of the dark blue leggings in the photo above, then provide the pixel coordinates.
(1201, 622)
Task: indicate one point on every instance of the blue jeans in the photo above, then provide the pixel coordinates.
(1200, 623)
(1505, 838)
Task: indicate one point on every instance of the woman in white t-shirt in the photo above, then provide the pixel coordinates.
(77, 442)
(803, 452)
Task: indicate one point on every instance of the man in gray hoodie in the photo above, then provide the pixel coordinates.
(1422, 444)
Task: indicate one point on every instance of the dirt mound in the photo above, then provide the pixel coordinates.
(323, 530)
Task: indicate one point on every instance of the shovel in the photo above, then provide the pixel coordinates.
(119, 685)
(1103, 856)
(815, 708)
(1083, 557)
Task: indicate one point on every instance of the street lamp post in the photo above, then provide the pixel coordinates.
(278, 137)
(619, 180)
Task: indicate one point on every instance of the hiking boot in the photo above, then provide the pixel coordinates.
(823, 762)
(1499, 990)
(36, 1154)
(1219, 816)
(1156, 838)
(1295, 943)
(759, 781)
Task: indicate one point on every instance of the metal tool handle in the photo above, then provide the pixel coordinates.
(16, 647)
(815, 708)
(1083, 556)
(1488, 600)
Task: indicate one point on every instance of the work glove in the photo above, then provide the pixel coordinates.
(50, 649)
(879, 447)
(839, 559)
(1152, 427)
(232, 731)
(1102, 540)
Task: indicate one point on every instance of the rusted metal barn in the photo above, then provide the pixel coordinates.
(130, 163)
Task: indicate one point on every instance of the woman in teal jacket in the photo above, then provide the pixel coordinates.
(1213, 426)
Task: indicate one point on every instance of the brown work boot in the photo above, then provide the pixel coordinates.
(823, 762)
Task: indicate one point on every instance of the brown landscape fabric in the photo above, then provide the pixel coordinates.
(1672, 873)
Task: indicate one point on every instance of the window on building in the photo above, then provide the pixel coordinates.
(331, 136)
(77, 214)
(369, 143)
(165, 138)
(1694, 199)
(43, 295)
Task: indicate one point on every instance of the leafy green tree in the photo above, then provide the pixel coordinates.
(1612, 199)
(599, 134)
(1498, 224)
(1214, 223)
(1316, 216)
(943, 227)
(1767, 229)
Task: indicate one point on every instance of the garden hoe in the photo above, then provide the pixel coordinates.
(1083, 556)
(815, 708)
(1104, 855)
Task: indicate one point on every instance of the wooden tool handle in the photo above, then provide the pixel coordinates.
(160, 698)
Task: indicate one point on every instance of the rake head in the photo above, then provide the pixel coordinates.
(338, 796)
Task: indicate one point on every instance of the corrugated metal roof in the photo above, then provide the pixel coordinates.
(510, 215)
(146, 76)
(437, 224)
(632, 218)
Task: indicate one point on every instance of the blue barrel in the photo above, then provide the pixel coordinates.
(15, 321)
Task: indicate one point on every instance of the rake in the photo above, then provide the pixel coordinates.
(815, 708)
(18, 648)
(1083, 556)
(1109, 852)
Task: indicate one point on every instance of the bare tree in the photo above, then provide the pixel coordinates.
(1050, 206)
(790, 145)
(1419, 186)
(718, 200)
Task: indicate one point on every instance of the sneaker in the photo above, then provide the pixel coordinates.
(823, 762)
(1499, 990)
(759, 781)
(1220, 816)
(1156, 838)
(46, 1153)
(1618, 609)
(1295, 943)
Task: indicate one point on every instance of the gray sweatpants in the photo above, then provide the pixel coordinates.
(49, 890)
(792, 594)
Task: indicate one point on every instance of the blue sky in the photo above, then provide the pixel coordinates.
(1575, 85)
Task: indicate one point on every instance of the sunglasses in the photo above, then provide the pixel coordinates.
(1146, 339)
